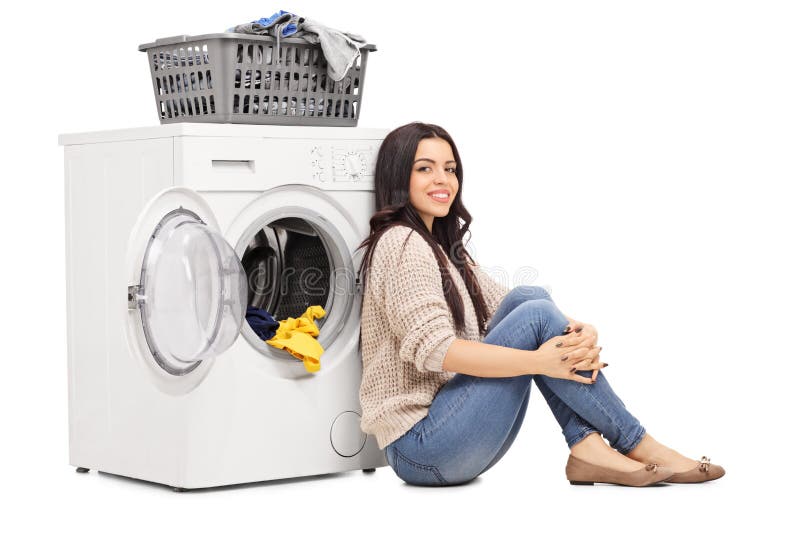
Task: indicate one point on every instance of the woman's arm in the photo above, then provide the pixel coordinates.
(558, 357)
(482, 359)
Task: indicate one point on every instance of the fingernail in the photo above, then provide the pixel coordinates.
(579, 329)
(567, 329)
(564, 358)
(559, 344)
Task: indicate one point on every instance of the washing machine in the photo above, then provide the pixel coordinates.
(172, 232)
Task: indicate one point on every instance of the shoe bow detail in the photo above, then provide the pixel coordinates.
(652, 467)
(705, 463)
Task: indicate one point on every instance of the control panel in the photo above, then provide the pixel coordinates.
(338, 163)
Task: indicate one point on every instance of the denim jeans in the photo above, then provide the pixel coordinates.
(472, 421)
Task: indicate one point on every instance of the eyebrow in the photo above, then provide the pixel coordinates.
(429, 159)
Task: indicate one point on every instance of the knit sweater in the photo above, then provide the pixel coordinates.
(406, 329)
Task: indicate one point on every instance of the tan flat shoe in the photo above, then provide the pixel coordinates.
(581, 473)
(704, 472)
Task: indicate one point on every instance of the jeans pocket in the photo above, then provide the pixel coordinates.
(413, 472)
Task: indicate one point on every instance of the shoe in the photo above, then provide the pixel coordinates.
(580, 473)
(704, 472)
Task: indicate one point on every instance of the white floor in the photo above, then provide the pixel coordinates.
(527, 487)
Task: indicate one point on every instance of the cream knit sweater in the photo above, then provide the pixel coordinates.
(406, 329)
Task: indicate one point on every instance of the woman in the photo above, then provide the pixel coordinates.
(448, 353)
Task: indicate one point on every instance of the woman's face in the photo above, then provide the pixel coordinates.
(433, 173)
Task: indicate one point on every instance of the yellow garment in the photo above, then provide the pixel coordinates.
(295, 336)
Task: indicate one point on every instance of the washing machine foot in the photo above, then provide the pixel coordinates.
(81, 469)
(178, 490)
(370, 470)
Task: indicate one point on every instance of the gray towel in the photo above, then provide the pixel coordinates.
(341, 49)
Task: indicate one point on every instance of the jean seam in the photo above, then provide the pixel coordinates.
(545, 324)
(519, 414)
(511, 295)
(459, 402)
(581, 436)
(415, 424)
(422, 467)
(635, 442)
(603, 409)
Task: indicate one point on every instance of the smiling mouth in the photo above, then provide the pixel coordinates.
(439, 197)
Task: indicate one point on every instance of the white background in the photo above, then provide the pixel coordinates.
(640, 159)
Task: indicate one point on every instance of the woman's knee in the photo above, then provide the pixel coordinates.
(544, 316)
(534, 292)
(539, 307)
(530, 322)
(527, 292)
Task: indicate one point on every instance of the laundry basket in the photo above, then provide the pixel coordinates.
(242, 78)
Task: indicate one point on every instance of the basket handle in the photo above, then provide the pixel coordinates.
(182, 38)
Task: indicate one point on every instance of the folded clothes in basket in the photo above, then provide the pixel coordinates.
(340, 48)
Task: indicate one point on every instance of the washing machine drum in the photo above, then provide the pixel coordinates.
(288, 268)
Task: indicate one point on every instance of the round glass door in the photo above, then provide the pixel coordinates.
(192, 294)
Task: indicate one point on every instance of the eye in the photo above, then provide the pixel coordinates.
(423, 168)
(452, 169)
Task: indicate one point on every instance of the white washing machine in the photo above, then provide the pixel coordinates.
(171, 232)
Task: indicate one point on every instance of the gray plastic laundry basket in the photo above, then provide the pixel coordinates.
(242, 78)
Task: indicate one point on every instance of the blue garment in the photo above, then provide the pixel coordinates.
(473, 420)
(262, 323)
(268, 21)
(341, 49)
(264, 23)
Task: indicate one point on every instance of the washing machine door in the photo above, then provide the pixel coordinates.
(192, 291)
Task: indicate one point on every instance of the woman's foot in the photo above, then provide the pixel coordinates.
(580, 473)
(651, 451)
(595, 450)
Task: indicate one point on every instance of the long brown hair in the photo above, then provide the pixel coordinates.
(393, 208)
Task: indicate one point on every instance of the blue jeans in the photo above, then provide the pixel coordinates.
(473, 420)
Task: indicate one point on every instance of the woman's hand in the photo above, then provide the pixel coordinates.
(562, 356)
(585, 329)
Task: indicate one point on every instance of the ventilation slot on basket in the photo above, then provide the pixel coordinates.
(190, 85)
